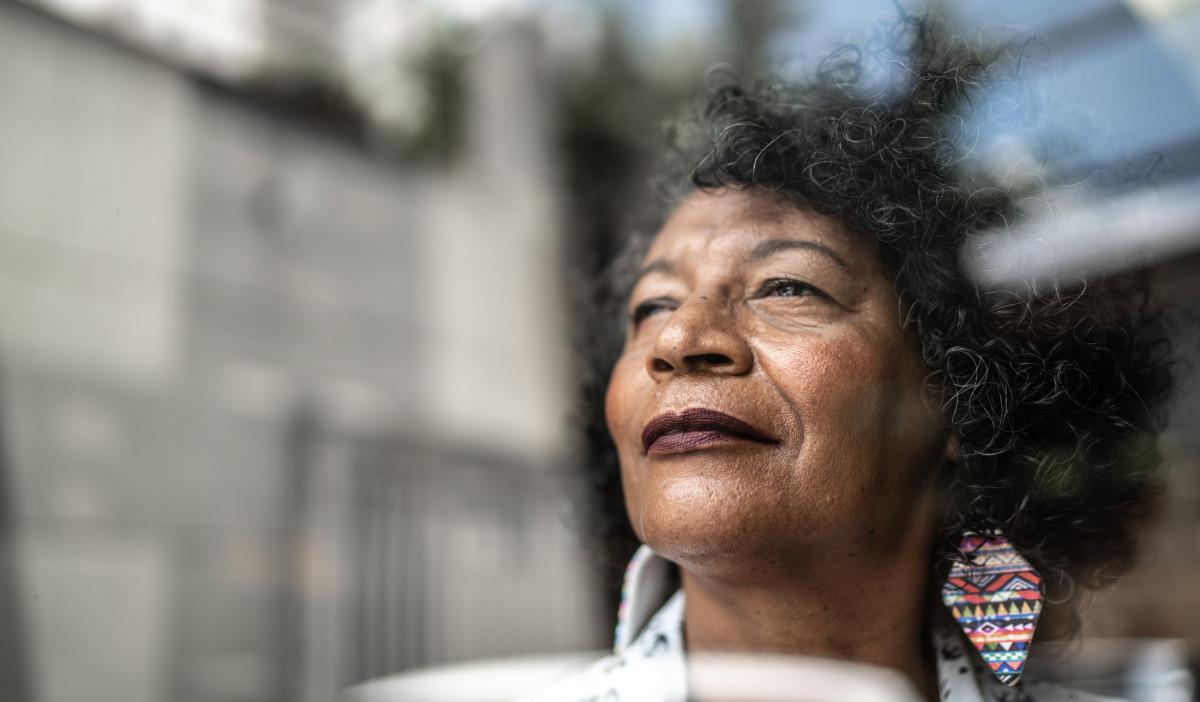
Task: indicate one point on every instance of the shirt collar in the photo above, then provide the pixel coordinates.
(648, 586)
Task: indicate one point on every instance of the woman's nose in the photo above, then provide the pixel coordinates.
(700, 335)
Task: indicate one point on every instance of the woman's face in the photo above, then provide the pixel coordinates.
(768, 409)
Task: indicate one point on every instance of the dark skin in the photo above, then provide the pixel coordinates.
(812, 534)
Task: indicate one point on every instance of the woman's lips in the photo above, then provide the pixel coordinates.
(697, 428)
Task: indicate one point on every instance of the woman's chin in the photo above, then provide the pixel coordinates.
(723, 557)
(724, 540)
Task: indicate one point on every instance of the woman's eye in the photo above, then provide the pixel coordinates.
(788, 287)
(650, 308)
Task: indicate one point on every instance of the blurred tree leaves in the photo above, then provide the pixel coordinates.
(613, 114)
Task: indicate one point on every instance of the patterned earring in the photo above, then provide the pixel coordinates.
(996, 598)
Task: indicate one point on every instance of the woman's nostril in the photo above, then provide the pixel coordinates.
(710, 359)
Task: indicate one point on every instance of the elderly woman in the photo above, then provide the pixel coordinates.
(830, 442)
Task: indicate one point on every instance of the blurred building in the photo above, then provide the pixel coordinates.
(280, 417)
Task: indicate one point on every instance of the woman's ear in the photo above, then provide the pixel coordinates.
(952, 448)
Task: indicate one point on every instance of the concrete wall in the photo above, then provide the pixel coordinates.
(280, 417)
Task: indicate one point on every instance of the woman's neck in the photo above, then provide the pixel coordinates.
(875, 616)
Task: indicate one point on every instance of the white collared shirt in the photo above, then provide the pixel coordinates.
(648, 663)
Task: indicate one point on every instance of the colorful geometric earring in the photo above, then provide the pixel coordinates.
(996, 598)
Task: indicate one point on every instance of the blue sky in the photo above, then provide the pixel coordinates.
(1113, 70)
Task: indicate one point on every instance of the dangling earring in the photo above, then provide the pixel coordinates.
(996, 598)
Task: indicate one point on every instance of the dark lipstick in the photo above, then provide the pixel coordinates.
(694, 428)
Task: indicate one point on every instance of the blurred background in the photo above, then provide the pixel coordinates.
(286, 381)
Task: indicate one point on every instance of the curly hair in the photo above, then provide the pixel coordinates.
(1055, 393)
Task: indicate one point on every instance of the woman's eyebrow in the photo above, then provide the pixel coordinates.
(766, 249)
(658, 265)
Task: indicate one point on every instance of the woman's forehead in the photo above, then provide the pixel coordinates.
(739, 222)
